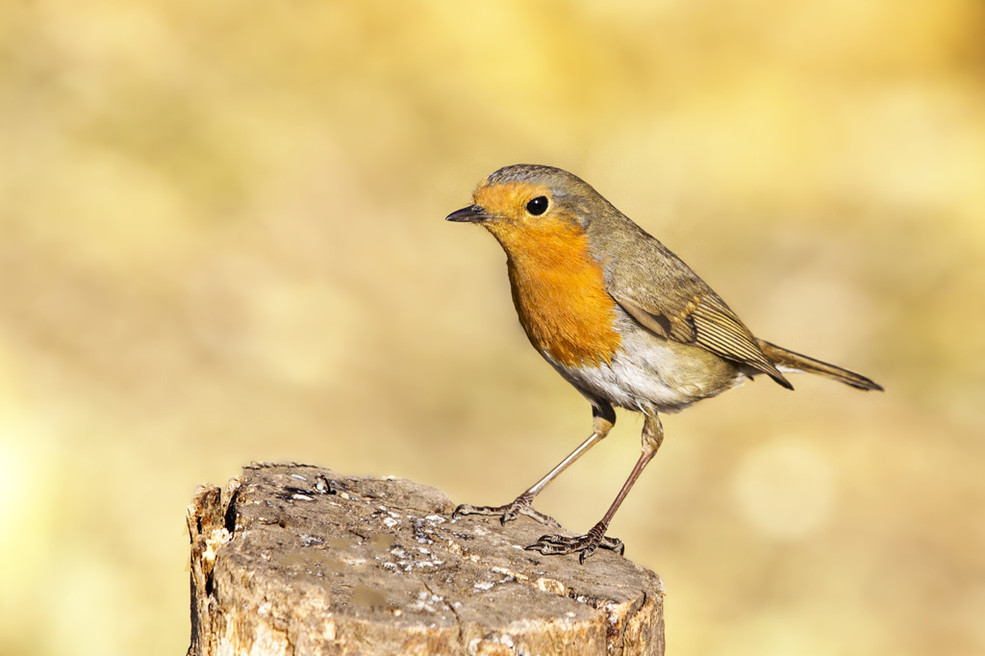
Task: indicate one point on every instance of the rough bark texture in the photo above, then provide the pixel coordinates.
(293, 559)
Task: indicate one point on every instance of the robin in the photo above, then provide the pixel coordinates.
(620, 317)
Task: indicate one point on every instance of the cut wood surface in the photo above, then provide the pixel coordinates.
(295, 559)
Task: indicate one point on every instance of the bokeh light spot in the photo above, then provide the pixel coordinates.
(785, 488)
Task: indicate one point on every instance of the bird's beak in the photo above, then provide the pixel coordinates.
(470, 214)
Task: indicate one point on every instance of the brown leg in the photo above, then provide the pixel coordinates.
(602, 421)
(595, 538)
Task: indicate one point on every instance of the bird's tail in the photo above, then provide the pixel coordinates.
(789, 361)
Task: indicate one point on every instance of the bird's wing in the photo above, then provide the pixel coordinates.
(663, 295)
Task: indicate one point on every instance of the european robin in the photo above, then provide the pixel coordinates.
(619, 316)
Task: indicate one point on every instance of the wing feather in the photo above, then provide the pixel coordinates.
(662, 294)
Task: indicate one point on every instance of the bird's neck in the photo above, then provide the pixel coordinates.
(560, 295)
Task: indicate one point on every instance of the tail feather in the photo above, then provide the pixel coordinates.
(789, 361)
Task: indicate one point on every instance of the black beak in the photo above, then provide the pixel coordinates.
(470, 214)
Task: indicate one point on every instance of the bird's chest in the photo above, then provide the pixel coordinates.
(560, 298)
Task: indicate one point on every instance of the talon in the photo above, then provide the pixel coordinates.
(549, 545)
(613, 544)
(584, 545)
(463, 509)
(522, 505)
(509, 514)
(588, 551)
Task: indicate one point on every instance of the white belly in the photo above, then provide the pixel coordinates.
(646, 374)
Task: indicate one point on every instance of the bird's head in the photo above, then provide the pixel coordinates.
(525, 203)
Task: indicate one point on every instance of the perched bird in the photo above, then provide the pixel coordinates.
(619, 316)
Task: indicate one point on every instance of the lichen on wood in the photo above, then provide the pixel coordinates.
(296, 560)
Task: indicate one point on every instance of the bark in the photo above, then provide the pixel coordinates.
(294, 559)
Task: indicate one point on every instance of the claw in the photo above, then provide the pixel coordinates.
(462, 509)
(522, 505)
(584, 545)
(613, 544)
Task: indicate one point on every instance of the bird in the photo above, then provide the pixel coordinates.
(620, 317)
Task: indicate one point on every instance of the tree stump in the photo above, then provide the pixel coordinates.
(294, 559)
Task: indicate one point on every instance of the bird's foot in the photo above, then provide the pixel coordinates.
(522, 505)
(584, 545)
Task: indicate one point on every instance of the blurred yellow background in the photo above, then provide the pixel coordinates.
(222, 241)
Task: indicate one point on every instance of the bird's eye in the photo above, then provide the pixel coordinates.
(537, 206)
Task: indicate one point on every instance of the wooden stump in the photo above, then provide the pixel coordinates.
(293, 559)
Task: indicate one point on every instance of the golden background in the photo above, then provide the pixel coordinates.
(222, 241)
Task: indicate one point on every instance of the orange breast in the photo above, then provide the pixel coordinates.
(560, 294)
